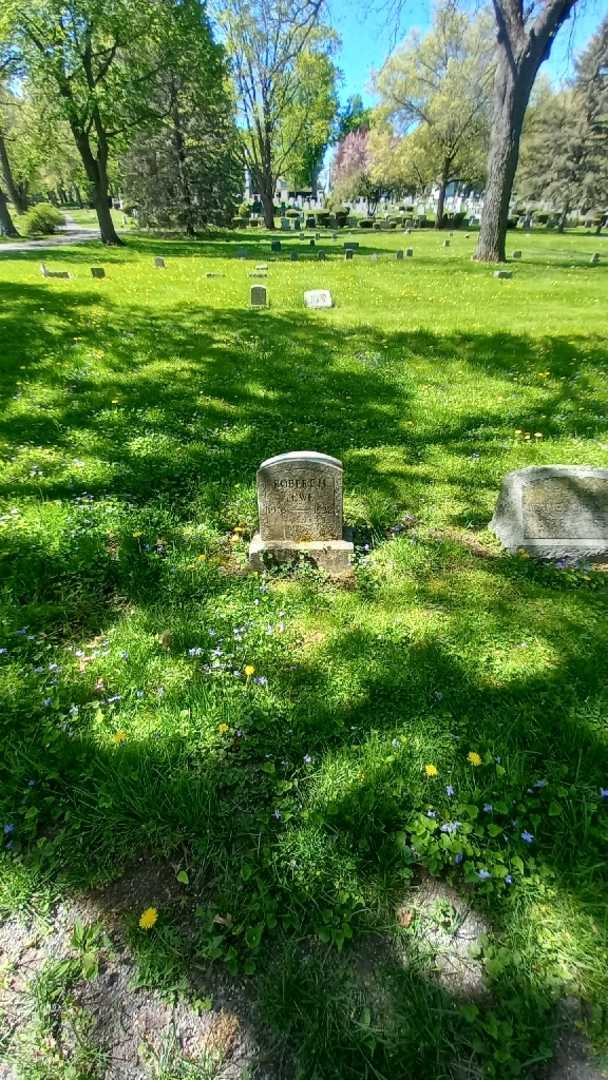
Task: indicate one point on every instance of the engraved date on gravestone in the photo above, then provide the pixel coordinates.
(566, 507)
(300, 497)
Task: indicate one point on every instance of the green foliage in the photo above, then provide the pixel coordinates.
(41, 220)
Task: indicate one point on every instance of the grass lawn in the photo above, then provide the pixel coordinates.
(281, 820)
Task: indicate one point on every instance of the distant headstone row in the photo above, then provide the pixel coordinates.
(314, 298)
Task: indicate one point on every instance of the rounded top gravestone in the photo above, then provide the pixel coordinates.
(300, 497)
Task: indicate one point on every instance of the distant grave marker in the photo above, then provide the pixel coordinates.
(348, 254)
(53, 273)
(321, 256)
(446, 243)
(516, 255)
(409, 253)
(294, 256)
(259, 296)
(159, 263)
(318, 298)
(399, 255)
(503, 274)
(275, 245)
(595, 258)
(98, 272)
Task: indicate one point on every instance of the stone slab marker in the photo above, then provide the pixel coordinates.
(53, 273)
(98, 272)
(516, 255)
(275, 245)
(409, 253)
(259, 296)
(399, 255)
(554, 512)
(321, 256)
(300, 512)
(294, 256)
(348, 254)
(318, 298)
(502, 274)
(595, 258)
(446, 243)
(159, 263)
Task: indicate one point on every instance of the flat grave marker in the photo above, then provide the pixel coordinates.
(318, 298)
(98, 272)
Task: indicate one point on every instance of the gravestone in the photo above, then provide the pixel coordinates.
(300, 513)
(259, 296)
(446, 243)
(257, 274)
(503, 274)
(98, 272)
(409, 252)
(348, 254)
(516, 255)
(284, 227)
(241, 253)
(53, 273)
(275, 245)
(554, 512)
(296, 224)
(312, 243)
(353, 245)
(595, 258)
(334, 236)
(399, 255)
(318, 298)
(321, 256)
(159, 263)
(261, 266)
(213, 273)
(294, 255)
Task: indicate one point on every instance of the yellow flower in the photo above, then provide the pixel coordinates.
(136, 535)
(223, 728)
(148, 918)
(473, 757)
(119, 737)
(249, 670)
(431, 770)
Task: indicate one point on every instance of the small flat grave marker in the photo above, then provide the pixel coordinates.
(261, 266)
(159, 263)
(348, 254)
(275, 245)
(259, 296)
(312, 242)
(257, 274)
(53, 273)
(352, 244)
(409, 253)
(98, 272)
(318, 298)
(554, 512)
(516, 254)
(446, 243)
(213, 273)
(399, 255)
(294, 255)
(321, 256)
(503, 274)
(595, 258)
(300, 513)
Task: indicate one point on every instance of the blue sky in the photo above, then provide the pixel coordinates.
(367, 41)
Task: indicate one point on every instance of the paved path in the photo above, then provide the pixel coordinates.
(70, 233)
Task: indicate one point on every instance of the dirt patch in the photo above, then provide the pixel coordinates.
(450, 929)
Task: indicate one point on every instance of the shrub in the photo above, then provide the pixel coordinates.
(292, 213)
(244, 210)
(342, 216)
(323, 217)
(41, 219)
(541, 219)
(366, 223)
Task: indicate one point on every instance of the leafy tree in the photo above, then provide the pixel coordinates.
(7, 61)
(436, 91)
(187, 173)
(100, 61)
(524, 35)
(265, 41)
(315, 98)
(352, 170)
(352, 117)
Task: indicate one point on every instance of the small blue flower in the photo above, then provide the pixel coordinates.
(540, 784)
(307, 759)
(124, 654)
(449, 791)
(604, 793)
(431, 813)
(508, 879)
(261, 680)
(276, 814)
(8, 829)
(139, 693)
(527, 837)
(115, 697)
(450, 827)
(47, 701)
(458, 858)
(3, 651)
(488, 808)
(196, 651)
(31, 783)
(395, 743)
(484, 874)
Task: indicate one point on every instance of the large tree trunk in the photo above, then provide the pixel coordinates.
(523, 44)
(268, 205)
(179, 146)
(512, 91)
(95, 169)
(15, 192)
(6, 222)
(443, 183)
(561, 225)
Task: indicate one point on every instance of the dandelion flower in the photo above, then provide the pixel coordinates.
(148, 918)
(431, 770)
(119, 737)
(249, 670)
(473, 757)
(223, 728)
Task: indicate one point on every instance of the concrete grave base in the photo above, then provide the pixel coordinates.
(333, 556)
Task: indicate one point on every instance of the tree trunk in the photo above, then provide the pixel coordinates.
(512, 90)
(78, 196)
(268, 205)
(179, 146)
(15, 193)
(95, 169)
(443, 183)
(6, 222)
(561, 225)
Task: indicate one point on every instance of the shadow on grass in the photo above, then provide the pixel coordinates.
(177, 417)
